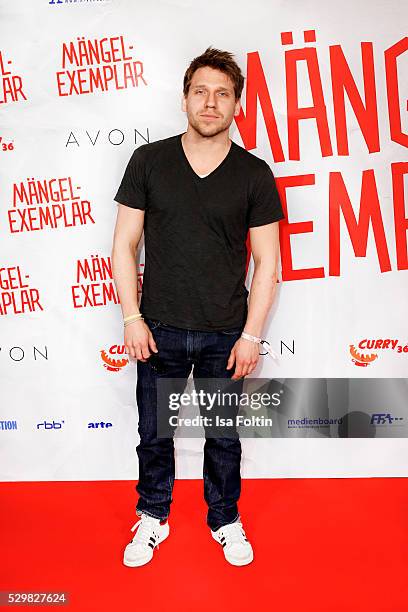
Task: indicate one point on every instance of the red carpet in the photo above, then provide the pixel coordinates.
(320, 545)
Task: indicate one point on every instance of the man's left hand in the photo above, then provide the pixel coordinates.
(245, 355)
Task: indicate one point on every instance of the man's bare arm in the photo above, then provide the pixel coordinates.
(265, 251)
(138, 338)
(126, 238)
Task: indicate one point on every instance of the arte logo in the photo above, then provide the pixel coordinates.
(110, 361)
(101, 425)
(364, 359)
(53, 425)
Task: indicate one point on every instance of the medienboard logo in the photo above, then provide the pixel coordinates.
(67, 2)
(313, 422)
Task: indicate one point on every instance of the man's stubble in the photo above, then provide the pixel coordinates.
(209, 130)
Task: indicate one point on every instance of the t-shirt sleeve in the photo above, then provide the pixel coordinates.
(265, 205)
(132, 189)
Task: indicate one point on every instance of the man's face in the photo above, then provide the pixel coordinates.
(210, 103)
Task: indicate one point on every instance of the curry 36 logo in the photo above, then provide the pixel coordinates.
(6, 146)
(112, 363)
(361, 358)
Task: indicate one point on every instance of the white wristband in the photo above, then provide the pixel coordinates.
(260, 341)
(251, 338)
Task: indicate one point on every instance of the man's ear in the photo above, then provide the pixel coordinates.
(237, 107)
(183, 104)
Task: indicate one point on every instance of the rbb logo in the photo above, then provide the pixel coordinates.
(100, 425)
(53, 425)
(382, 418)
(55, 2)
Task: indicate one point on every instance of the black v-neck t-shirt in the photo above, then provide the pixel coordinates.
(195, 231)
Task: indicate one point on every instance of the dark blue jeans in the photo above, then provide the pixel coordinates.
(180, 350)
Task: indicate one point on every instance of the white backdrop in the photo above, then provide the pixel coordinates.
(61, 346)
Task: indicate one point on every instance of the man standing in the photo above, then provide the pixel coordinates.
(195, 195)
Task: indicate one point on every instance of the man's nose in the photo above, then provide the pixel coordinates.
(210, 100)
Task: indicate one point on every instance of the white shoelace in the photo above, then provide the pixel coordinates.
(145, 530)
(233, 534)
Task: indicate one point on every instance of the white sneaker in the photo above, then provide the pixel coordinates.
(237, 549)
(149, 534)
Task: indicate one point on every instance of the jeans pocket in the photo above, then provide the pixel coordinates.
(232, 332)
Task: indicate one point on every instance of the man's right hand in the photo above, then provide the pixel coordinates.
(139, 340)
